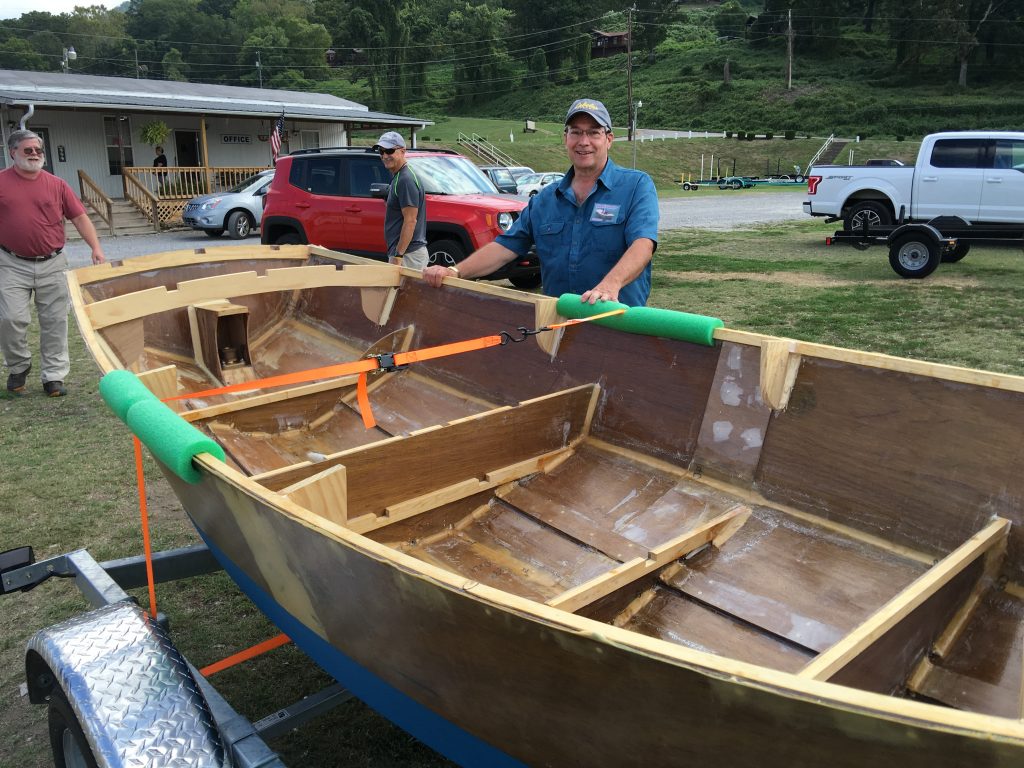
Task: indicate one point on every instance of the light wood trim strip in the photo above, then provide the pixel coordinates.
(158, 299)
(171, 259)
(325, 493)
(779, 366)
(955, 373)
(828, 663)
(621, 575)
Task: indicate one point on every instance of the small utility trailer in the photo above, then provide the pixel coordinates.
(917, 249)
(118, 692)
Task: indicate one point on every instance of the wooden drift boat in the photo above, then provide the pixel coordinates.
(594, 547)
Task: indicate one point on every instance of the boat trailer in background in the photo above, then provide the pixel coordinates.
(116, 686)
(917, 249)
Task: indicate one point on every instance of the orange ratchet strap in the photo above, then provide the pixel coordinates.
(389, 361)
(248, 653)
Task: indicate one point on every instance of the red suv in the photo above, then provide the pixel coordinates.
(336, 197)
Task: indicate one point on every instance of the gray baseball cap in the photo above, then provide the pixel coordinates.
(390, 140)
(593, 108)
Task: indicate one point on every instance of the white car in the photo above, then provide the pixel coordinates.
(237, 211)
(532, 184)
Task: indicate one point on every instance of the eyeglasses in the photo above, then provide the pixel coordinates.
(33, 151)
(593, 134)
(391, 151)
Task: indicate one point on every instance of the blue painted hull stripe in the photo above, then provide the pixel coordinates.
(427, 726)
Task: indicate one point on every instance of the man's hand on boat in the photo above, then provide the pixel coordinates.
(482, 261)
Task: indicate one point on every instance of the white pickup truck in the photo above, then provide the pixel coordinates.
(977, 176)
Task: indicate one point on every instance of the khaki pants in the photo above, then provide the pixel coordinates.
(19, 280)
(416, 259)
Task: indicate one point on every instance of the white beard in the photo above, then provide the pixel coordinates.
(31, 164)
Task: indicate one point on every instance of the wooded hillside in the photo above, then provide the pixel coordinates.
(863, 67)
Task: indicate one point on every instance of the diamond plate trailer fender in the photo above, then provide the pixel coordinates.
(130, 690)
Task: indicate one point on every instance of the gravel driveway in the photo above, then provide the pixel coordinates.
(729, 210)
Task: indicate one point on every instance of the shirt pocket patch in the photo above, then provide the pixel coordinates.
(551, 227)
(605, 213)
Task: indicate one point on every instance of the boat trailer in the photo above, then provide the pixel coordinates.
(116, 686)
(917, 249)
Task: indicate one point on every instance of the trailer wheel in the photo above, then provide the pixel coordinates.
(874, 213)
(914, 256)
(686, 186)
(952, 257)
(67, 741)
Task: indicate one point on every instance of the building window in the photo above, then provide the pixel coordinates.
(118, 131)
(311, 139)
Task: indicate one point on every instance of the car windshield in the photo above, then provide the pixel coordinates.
(502, 176)
(519, 172)
(247, 183)
(533, 178)
(447, 175)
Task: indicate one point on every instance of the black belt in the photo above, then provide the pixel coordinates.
(47, 257)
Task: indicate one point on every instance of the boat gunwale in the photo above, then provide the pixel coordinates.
(943, 371)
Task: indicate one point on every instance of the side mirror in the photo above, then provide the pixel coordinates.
(379, 190)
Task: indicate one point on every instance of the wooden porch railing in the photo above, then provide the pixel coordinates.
(96, 199)
(142, 198)
(171, 188)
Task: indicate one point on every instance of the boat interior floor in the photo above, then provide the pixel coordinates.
(778, 591)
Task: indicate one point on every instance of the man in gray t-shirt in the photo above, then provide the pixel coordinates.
(405, 219)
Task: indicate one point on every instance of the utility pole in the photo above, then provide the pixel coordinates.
(629, 70)
(789, 51)
(259, 68)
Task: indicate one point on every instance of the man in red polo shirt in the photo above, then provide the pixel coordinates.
(33, 207)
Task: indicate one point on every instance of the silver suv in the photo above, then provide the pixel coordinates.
(237, 211)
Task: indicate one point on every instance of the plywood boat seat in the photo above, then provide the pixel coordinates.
(313, 426)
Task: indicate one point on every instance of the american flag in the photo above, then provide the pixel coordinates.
(275, 138)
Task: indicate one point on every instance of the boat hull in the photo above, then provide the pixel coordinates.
(513, 688)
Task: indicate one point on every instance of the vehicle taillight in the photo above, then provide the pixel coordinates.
(812, 184)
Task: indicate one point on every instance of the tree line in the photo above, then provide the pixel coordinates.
(481, 50)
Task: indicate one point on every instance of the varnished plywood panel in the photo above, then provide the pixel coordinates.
(885, 665)
(508, 550)
(673, 617)
(437, 458)
(734, 425)
(653, 391)
(799, 581)
(982, 672)
(918, 461)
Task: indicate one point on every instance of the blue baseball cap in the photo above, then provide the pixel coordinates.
(593, 108)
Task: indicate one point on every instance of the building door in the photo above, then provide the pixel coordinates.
(186, 148)
(44, 134)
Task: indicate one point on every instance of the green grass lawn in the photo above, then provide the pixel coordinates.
(67, 479)
(668, 161)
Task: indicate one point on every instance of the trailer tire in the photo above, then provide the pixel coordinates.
(67, 740)
(914, 255)
(952, 257)
(876, 214)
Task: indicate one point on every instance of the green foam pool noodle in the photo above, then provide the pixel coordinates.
(170, 438)
(121, 390)
(650, 321)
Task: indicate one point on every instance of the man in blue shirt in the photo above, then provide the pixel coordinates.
(595, 231)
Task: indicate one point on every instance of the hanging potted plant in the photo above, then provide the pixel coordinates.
(155, 132)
